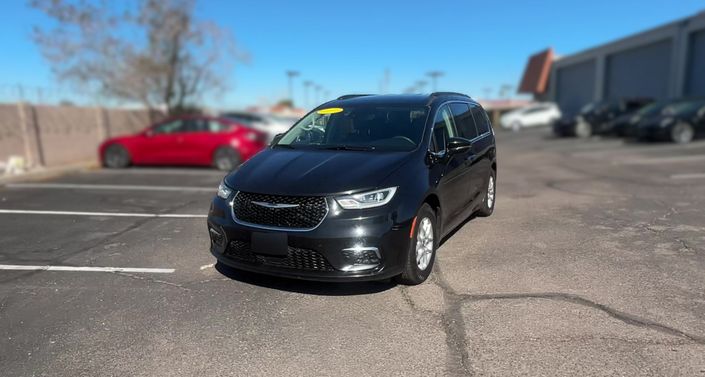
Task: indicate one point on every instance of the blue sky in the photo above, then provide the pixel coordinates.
(346, 46)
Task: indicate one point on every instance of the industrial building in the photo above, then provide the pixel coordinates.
(664, 62)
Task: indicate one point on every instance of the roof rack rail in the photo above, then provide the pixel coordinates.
(348, 96)
(437, 94)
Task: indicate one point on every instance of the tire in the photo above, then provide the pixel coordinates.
(116, 157)
(516, 126)
(682, 133)
(226, 159)
(490, 197)
(417, 270)
(583, 130)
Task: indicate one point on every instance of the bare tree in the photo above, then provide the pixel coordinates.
(158, 54)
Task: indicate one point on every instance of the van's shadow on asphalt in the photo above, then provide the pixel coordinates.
(304, 286)
(315, 287)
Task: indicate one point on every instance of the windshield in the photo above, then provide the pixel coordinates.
(589, 107)
(378, 128)
(652, 109)
(683, 107)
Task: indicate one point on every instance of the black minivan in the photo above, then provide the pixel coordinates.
(362, 188)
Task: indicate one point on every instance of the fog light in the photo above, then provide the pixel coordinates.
(360, 258)
(217, 237)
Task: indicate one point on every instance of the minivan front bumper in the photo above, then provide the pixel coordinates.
(348, 245)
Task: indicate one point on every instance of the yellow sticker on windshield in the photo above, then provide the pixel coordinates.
(330, 110)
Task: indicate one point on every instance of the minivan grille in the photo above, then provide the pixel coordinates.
(297, 258)
(279, 211)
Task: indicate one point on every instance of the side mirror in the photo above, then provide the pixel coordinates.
(276, 139)
(458, 145)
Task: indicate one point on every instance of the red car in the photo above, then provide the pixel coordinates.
(188, 140)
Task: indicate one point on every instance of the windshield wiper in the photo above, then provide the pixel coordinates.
(348, 147)
(287, 146)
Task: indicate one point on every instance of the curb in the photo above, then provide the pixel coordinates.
(40, 174)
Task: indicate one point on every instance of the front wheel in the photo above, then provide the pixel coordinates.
(226, 159)
(682, 133)
(422, 252)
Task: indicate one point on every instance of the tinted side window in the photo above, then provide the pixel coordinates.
(464, 120)
(216, 126)
(483, 123)
(170, 127)
(443, 129)
(196, 125)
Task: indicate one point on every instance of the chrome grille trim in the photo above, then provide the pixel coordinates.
(267, 227)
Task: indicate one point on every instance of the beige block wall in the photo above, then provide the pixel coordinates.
(64, 134)
(11, 141)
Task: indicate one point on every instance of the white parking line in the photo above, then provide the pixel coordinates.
(109, 214)
(20, 267)
(80, 186)
(688, 176)
(659, 160)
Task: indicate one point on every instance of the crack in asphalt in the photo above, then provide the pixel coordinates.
(624, 317)
(153, 280)
(459, 361)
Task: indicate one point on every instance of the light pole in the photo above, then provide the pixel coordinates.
(290, 75)
(420, 85)
(434, 75)
(307, 84)
(318, 91)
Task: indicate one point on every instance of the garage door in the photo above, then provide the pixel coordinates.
(695, 84)
(639, 72)
(575, 86)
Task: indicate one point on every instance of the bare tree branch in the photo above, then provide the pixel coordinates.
(159, 54)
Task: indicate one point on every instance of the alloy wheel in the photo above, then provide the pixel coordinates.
(490, 192)
(424, 244)
(682, 133)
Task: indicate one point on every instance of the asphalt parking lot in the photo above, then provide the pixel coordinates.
(592, 264)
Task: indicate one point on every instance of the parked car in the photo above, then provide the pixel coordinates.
(593, 118)
(625, 125)
(189, 140)
(362, 188)
(599, 119)
(272, 125)
(539, 114)
(565, 125)
(678, 122)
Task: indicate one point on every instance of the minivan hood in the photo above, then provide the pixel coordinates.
(314, 172)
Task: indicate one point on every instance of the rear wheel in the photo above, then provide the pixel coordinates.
(422, 252)
(116, 156)
(583, 129)
(226, 159)
(487, 206)
(682, 133)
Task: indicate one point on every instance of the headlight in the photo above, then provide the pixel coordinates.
(667, 121)
(367, 199)
(224, 191)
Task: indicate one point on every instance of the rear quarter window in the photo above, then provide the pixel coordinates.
(464, 120)
(481, 120)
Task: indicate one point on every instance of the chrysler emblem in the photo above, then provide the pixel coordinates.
(275, 205)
